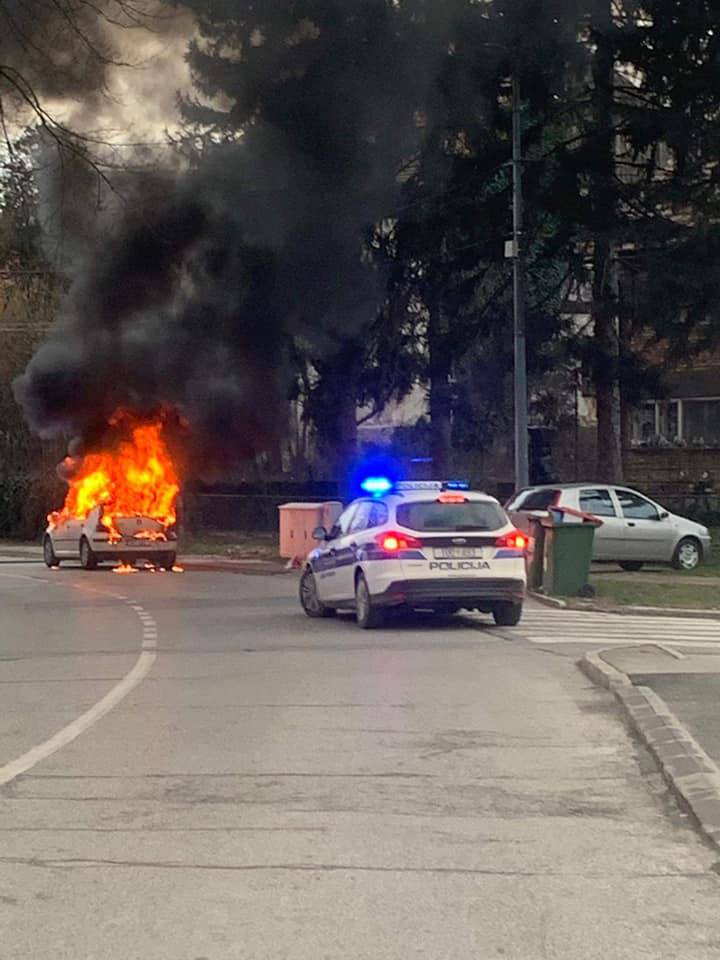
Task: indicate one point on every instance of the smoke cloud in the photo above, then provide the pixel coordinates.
(188, 285)
(169, 306)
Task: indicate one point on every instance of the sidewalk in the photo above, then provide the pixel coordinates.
(688, 682)
(670, 700)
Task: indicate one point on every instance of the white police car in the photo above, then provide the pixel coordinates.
(417, 545)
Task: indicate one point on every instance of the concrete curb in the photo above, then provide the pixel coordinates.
(690, 773)
(587, 606)
(262, 568)
(548, 601)
(602, 673)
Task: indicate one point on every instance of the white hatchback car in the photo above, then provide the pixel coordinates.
(417, 545)
(635, 530)
(91, 541)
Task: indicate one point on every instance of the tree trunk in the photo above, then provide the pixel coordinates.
(346, 449)
(441, 394)
(606, 368)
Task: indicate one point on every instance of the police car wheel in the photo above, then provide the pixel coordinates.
(368, 616)
(309, 598)
(507, 614)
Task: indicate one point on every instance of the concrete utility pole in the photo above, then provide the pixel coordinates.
(518, 252)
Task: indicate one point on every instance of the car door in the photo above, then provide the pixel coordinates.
(66, 538)
(327, 562)
(347, 549)
(610, 539)
(648, 536)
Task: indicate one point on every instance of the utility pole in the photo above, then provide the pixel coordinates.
(518, 253)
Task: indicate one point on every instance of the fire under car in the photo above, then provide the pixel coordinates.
(423, 545)
(99, 538)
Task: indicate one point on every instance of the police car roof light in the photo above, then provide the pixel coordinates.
(377, 486)
(457, 484)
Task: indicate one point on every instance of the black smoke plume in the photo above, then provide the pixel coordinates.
(186, 292)
(169, 307)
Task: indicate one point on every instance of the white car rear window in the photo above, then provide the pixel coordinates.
(435, 517)
(535, 500)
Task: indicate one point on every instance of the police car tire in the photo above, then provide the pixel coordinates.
(368, 616)
(318, 609)
(507, 614)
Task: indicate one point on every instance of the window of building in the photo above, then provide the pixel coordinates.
(701, 422)
(686, 423)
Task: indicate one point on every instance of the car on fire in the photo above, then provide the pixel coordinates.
(417, 545)
(100, 537)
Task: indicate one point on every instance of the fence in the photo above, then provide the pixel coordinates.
(247, 509)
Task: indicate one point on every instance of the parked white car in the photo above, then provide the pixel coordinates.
(635, 530)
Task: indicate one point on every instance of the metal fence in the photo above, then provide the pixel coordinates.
(250, 511)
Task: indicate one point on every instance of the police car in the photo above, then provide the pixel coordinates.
(417, 545)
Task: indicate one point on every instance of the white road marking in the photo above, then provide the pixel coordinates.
(73, 730)
(547, 626)
(126, 685)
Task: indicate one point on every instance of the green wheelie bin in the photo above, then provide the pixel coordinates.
(567, 552)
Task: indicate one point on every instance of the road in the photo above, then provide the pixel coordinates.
(193, 770)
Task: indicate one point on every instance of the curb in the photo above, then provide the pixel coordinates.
(261, 568)
(691, 774)
(547, 601)
(634, 611)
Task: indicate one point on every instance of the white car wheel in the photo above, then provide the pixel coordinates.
(49, 553)
(687, 554)
(88, 560)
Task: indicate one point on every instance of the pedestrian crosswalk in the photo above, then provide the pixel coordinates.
(548, 625)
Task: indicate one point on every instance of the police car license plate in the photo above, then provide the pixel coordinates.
(457, 553)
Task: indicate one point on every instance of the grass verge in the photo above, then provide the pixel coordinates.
(233, 546)
(637, 592)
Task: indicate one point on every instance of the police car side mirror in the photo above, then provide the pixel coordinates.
(320, 533)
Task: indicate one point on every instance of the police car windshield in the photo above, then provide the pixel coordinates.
(436, 517)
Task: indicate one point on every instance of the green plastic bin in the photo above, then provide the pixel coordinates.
(567, 555)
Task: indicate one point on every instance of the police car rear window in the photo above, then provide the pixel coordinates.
(434, 517)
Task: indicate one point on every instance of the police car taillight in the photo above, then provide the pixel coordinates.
(451, 498)
(392, 542)
(514, 540)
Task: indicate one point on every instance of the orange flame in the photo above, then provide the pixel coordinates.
(135, 478)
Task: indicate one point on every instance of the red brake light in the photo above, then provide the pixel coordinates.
(451, 498)
(392, 542)
(514, 540)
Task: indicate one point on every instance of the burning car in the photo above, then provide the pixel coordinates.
(121, 502)
(125, 540)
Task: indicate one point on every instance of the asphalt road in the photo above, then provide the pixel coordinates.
(223, 779)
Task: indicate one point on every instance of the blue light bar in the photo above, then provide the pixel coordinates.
(377, 486)
(457, 485)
